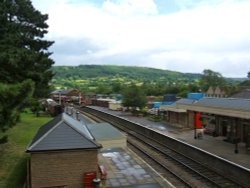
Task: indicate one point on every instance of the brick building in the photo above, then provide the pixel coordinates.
(61, 154)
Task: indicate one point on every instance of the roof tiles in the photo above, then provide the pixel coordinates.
(62, 134)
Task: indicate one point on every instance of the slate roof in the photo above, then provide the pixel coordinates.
(228, 103)
(62, 133)
(245, 94)
(104, 131)
(186, 101)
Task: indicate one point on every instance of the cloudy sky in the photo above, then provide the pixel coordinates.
(179, 35)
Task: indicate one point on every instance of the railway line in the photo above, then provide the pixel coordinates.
(178, 168)
(142, 150)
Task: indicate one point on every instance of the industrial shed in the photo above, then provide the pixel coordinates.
(107, 135)
(62, 155)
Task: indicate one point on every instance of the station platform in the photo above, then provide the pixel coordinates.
(126, 170)
(214, 145)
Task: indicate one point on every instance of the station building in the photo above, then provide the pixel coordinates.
(64, 152)
(228, 117)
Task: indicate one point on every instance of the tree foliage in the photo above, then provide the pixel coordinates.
(23, 52)
(13, 98)
(133, 96)
(25, 66)
(211, 78)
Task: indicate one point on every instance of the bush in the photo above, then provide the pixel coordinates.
(4, 139)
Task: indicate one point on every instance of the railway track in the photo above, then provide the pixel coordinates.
(189, 172)
(180, 170)
(163, 170)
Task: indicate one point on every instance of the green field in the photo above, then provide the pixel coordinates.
(12, 154)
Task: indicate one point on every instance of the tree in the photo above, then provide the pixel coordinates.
(23, 52)
(211, 78)
(116, 87)
(25, 66)
(133, 96)
(248, 74)
(13, 97)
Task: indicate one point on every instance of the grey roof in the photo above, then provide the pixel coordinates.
(186, 101)
(45, 128)
(77, 125)
(104, 131)
(57, 92)
(228, 103)
(61, 134)
(245, 94)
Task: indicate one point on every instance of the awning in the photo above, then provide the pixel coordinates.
(172, 109)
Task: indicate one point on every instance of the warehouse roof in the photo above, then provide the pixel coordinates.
(62, 133)
(228, 103)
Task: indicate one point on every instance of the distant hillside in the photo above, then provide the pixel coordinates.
(138, 73)
(88, 77)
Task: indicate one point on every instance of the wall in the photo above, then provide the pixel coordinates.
(65, 168)
(191, 119)
(114, 143)
(178, 119)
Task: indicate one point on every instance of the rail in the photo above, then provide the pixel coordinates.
(221, 166)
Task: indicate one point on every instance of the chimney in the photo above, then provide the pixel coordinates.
(77, 116)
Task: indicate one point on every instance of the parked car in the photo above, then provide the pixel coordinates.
(153, 111)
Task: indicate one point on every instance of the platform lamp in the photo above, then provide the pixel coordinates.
(236, 141)
(195, 137)
(236, 146)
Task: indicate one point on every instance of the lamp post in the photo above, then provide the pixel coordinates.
(195, 133)
(236, 141)
(195, 137)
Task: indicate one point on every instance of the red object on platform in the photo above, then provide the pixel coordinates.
(88, 179)
(198, 122)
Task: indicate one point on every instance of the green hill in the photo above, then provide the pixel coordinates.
(89, 77)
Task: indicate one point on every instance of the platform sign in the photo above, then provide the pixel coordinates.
(88, 179)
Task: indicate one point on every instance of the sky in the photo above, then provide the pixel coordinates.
(179, 35)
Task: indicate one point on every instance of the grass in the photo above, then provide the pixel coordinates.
(12, 154)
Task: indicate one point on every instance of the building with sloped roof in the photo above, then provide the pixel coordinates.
(218, 92)
(228, 117)
(179, 116)
(61, 153)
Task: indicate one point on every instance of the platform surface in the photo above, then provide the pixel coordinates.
(125, 169)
